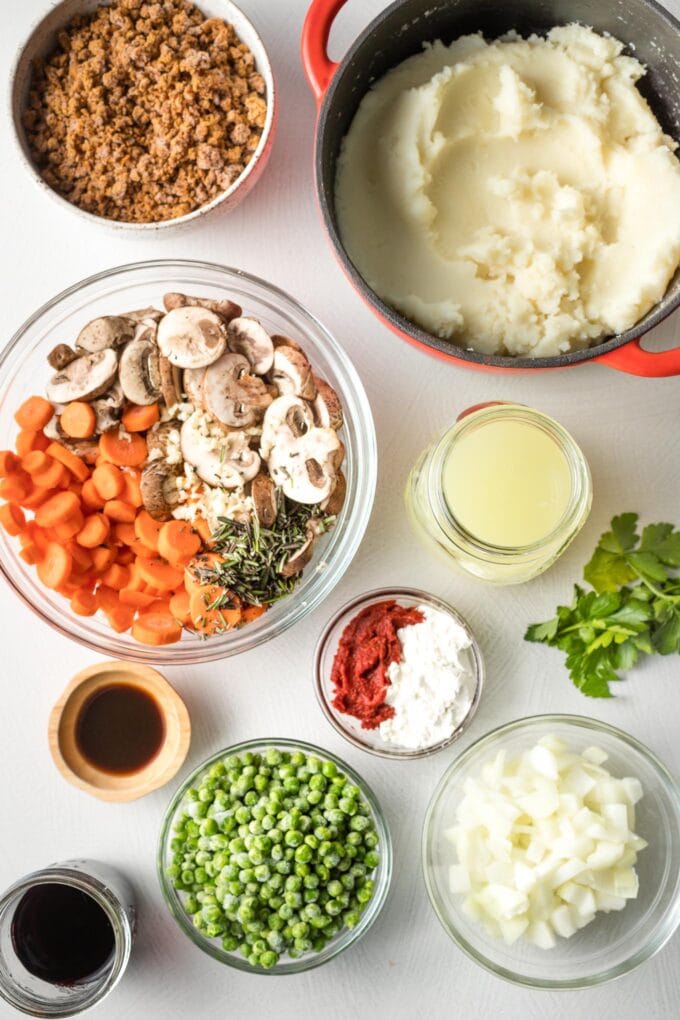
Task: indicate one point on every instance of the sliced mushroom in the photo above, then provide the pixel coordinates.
(225, 308)
(292, 373)
(306, 468)
(192, 384)
(139, 373)
(286, 417)
(299, 560)
(229, 465)
(61, 356)
(285, 341)
(263, 494)
(231, 394)
(335, 502)
(192, 337)
(158, 486)
(171, 382)
(326, 405)
(84, 378)
(109, 408)
(104, 332)
(249, 337)
(145, 315)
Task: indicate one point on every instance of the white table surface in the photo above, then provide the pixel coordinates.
(406, 967)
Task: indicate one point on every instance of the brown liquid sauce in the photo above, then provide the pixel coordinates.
(60, 934)
(120, 729)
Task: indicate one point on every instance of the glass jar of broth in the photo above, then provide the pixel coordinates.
(501, 493)
(66, 936)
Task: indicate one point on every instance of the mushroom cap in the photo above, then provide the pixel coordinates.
(192, 336)
(223, 307)
(139, 373)
(326, 405)
(158, 488)
(84, 378)
(106, 331)
(292, 373)
(109, 408)
(247, 336)
(228, 464)
(335, 502)
(231, 394)
(306, 467)
(171, 382)
(145, 315)
(287, 416)
(61, 356)
(299, 560)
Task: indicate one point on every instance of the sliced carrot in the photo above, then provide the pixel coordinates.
(120, 617)
(117, 510)
(203, 528)
(30, 554)
(250, 613)
(138, 599)
(139, 549)
(78, 420)
(90, 496)
(192, 572)
(55, 566)
(82, 560)
(132, 492)
(140, 418)
(207, 620)
(15, 487)
(68, 588)
(74, 464)
(70, 527)
(84, 602)
(126, 451)
(35, 534)
(36, 460)
(52, 476)
(94, 531)
(156, 629)
(159, 606)
(8, 462)
(108, 481)
(37, 497)
(27, 441)
(102, 558)
(57, 509)
(147, 529)
(34, 414)
(107, 598)
(160, 574)
(179, 607)
(116, 577)
(125, 533)
(177, 541)
(12, 519)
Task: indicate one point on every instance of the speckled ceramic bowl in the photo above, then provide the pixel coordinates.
(40, 41)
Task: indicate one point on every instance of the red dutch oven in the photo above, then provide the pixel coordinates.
(400, 31)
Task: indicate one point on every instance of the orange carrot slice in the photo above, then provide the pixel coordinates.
(140, 418)
(12, 519)
(125, 451)
(177, 541)
(94, 531)
(34, 414)
(55, 566)
(78, 420)
(74, 464)
(156, 629)
(108, 481)
(117, 510)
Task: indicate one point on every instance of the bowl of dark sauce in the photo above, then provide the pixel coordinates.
(119, 731)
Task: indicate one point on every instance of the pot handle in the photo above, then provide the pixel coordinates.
(318, 66)
(635, 360)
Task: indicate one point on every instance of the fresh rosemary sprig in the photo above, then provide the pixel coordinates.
(253, 557)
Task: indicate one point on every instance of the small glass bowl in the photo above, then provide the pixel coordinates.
(24, 370)
(351, 728)
(346, 937)
(614, 943)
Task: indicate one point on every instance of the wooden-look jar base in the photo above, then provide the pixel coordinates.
(81, 772)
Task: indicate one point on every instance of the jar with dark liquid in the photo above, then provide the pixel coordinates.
(65, 938)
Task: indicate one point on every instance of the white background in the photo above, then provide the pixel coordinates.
(406, 967)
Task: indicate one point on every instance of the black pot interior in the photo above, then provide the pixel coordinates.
(651, 33)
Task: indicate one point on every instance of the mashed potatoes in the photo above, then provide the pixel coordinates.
(518, 197)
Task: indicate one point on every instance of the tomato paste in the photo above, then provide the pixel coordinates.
(368, 646)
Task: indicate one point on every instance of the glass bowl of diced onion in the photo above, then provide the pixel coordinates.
(24, 370)
(497, 896)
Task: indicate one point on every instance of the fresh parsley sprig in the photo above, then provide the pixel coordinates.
(634, 609)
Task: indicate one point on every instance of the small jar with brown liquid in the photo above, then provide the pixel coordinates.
(66, 935)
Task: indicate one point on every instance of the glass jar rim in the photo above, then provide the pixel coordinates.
(576, 462)
(56, 874)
